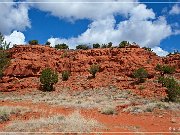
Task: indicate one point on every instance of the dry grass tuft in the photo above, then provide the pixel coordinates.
(74, 122)
(6, 111)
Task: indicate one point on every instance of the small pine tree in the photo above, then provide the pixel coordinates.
(141, 74)
(48, 78)
(173, 88)
(93, 70)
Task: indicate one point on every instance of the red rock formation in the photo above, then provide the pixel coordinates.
(116, 66)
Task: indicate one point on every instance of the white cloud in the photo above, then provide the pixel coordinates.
(13, 16)
(175, 9)
(15, 38)
(93, 11)
(141, 27)
(159, 51)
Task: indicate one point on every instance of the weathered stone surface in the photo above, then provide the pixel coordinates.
(116, 67)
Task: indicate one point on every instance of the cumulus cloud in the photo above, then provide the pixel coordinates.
(175, 10)
(159, 51)
(13, 17)
(74, 11)
(141, 27)
(15, 38)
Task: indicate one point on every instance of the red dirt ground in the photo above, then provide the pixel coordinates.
(157, 121)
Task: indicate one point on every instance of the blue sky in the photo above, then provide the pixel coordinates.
(156, 25)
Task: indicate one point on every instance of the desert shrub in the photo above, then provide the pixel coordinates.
(108, 110)
(173, 88)
(3, 44)
(65, 75)
(4, 61)
(83, 47)
(147, 49)
(4, 55)
(96, 45)
(48, 78)
(141, 74)
(47, 43)
(103, 46)
(109, 45)
(165, 69)
(123, 44)
(93, 70)
(33, 42)
(61, 46)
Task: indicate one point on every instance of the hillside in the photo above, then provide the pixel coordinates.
(116, 67)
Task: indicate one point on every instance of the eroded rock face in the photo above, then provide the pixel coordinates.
(116, 64)
(173, 60)
(28, 61)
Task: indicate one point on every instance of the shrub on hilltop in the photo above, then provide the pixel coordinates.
(96, 45)
(48, 78)
(147, 49)
(83, 47)
(123, 44)
(61, 46)
(47, 43)
(33, 42)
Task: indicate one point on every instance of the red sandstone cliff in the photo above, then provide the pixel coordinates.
(116, 66)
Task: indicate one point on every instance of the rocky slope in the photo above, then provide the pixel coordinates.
(116, 67)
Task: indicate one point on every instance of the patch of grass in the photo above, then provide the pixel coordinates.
(108, 110)
(6, 111)
(74, 122)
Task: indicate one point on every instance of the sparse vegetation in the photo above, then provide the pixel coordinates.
(165, 69)
(6, 111)
(61, 46)
(74, 122)
(108, 110)
(96, 45)
(109, 45)
(47, 43)
(65, 75)
(93, 70)
(33, 42)
(141, 74)
(123, 44)
(147, 49)
(103, 46)
(3, 44)
(4, 55)
(173, 88)
(83, 47)
(48, 78)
